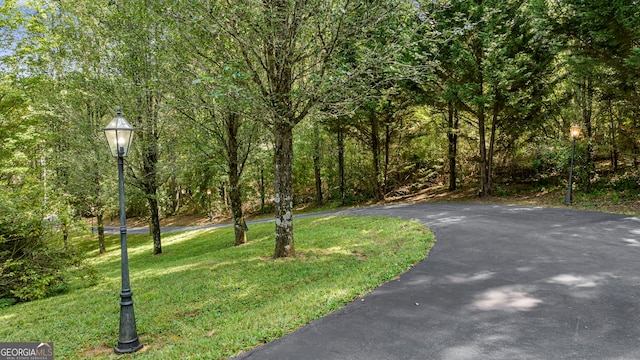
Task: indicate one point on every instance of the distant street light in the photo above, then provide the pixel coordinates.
(575, 133)
(119, 133)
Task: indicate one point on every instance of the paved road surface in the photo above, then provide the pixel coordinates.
(502, 282)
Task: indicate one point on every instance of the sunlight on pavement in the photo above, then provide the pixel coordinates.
(469, 278)
(576, 281)
(632, 242)
(506, 298)
(463, 352)
(516, 208)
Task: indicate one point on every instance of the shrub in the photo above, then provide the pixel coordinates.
(29, 268)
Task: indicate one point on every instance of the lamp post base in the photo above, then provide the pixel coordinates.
(128, 347)
(128, 341)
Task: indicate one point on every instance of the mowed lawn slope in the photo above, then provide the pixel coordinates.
(204, 298)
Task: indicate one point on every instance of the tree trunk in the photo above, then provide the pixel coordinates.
(316, 163)
(177, 195)
(387, 145)
(587, 111)
(452, 136)
(155, 223)
(151, 193)
(283, 189)
(262, 190)
(279, 63)
(492, 141)
(484, 186)
(478, 49)
(101, 245)
(635, 148)
(375, 152)
(485, 189)
(224, 196)
(341, 164)
(148, 140)
(234, 179)
(65, 234)
(614, 143)
(236, 211)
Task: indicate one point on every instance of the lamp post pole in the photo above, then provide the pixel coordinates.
(567, 200)
(119, 134)
(575, 133)
(128, 341)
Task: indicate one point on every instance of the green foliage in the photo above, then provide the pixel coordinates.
(205, 296)
(28, 269)
(626, 182)
(32, 269)
(32, 264)
(547, 161)
(387, 78)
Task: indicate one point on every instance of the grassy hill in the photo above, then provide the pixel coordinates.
(205, 298)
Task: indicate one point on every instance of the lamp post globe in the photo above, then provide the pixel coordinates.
(575, 131)
(119, 134)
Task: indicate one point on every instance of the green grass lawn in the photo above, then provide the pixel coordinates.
(204, 298)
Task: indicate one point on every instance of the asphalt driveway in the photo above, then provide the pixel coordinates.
(502, 282)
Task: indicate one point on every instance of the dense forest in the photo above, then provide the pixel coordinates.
(243, 106)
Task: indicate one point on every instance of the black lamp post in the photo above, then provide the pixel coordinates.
(575, 133)
(119, 133)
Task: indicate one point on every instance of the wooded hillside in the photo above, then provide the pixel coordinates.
(246, 106)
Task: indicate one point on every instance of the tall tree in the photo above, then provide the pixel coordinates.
(602, 41)
(227, 143)
(286, 48)
(372, 100)
(139, 43)
(79, 100)
(214, 98)
(316, 162)
(96, 81)
(31, 264)
(63, 82)
(492, 63)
